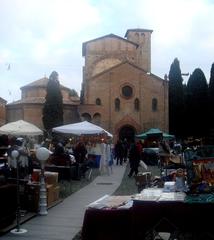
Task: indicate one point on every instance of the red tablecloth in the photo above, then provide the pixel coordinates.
(107, 224)
(144, 217)
(181, 217)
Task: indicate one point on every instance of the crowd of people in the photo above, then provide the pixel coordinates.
(23, 160)
(108, 154)
(129, 151)
(82, 155)
(67, 152)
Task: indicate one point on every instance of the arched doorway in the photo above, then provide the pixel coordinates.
(127, 132)
(86, 117)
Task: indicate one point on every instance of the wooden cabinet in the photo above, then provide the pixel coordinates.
(32, 197)
(8, 204)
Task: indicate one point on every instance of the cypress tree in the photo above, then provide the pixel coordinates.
(211, 101)
(197, 94)
(53, 107)
(176, 99)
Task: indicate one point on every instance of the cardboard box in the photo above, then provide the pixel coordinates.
(143, 178)
(56, 193)
(50, 177)
(33, 192)
(50, 194)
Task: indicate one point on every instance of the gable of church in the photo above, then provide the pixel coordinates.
(119, 87)
(99, 43)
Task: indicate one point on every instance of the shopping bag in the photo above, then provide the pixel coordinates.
(143, 165)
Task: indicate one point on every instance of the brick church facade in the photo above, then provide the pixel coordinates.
(119, 92)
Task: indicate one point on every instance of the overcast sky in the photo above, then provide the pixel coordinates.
(40, 36)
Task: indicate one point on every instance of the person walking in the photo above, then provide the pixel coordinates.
(119, 152)
(126, 150)
(103, 158)
(109, 153)
(80, 153)
(134, 159)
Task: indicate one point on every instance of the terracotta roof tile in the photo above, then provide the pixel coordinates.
(38, 100)
(40, 83)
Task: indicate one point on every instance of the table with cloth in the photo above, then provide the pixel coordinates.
(107, 224)
(108, 218)
(145, 218)
(175, 217)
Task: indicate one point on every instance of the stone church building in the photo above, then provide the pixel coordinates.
(119, 92)
(29, 107)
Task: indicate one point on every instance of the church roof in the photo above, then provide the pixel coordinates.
(39, 100)
(137, 30)
(131, 64)
(106, 36)
(40, 83)
(2, 100)
(32, 100)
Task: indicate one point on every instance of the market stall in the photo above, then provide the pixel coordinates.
(175, 208)
(27, 132)
(200, 169)
(81, 128)
(20, 135)
(16, 172)
(20, 128)
(155, 134)
(147, 214)
(91, 135)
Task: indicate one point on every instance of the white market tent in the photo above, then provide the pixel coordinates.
(81, 128)
(20, 128)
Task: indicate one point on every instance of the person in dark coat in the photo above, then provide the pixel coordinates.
(80, 153)
(134, 159)
(119, 152)
(126, 150)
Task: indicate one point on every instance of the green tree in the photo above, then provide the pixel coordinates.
(53, 107)
(197, 101)
(211, 101)
(176, 99)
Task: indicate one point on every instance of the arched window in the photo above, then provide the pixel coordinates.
(127, 91)
(117, 104)
(97, 118)
(137, 36)
(98, 101)
(136, 104)
(86, 117)
(154, 104)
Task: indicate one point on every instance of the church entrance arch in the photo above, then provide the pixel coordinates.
(127, 132)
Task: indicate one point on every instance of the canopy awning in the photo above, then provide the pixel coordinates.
(20, 128)
(155, 132)
(81, 128)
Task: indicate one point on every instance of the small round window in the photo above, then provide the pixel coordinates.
(127, 91)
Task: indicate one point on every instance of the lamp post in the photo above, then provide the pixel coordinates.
(17, 230)
(42, 155)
